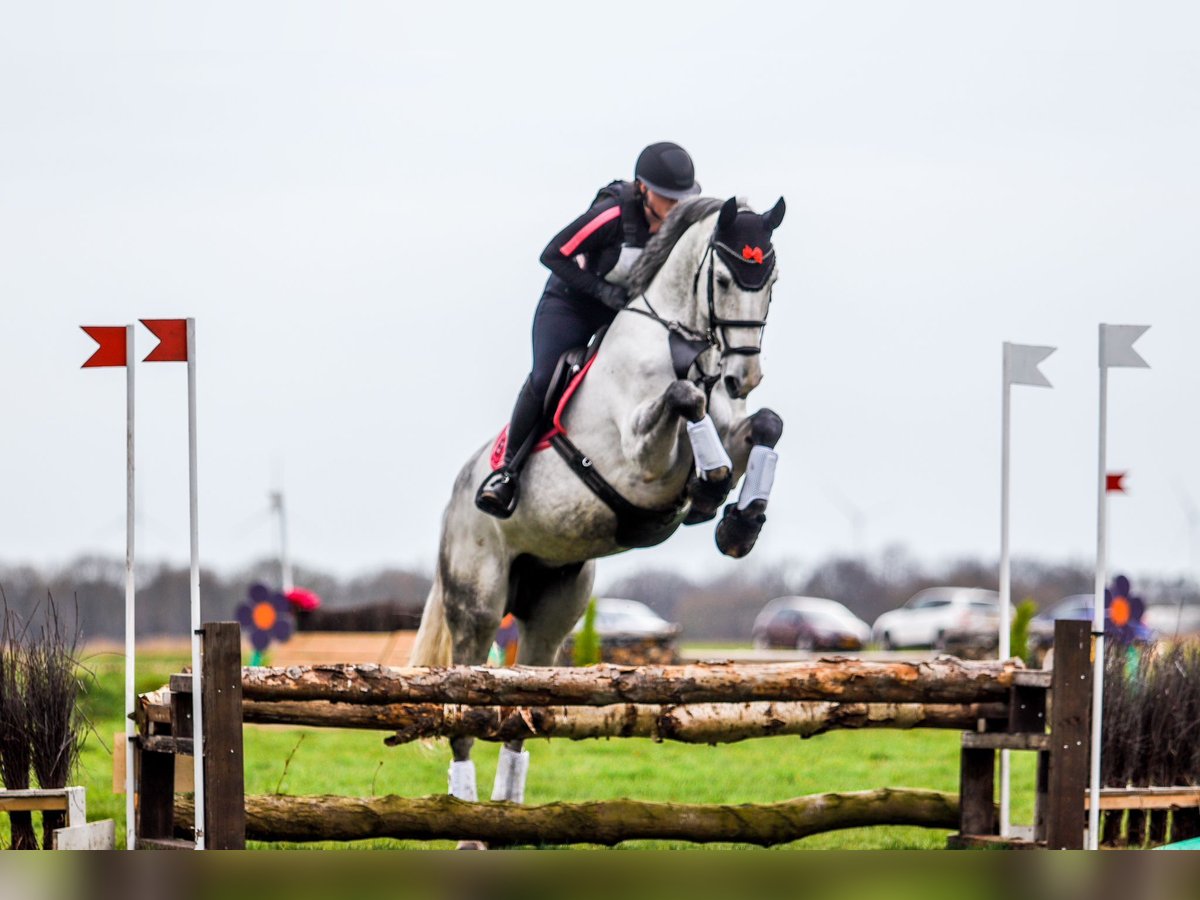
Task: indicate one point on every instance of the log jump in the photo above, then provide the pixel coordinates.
(995, 705)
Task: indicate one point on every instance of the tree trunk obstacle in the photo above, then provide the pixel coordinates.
(698, 723)
(996, 704)
(942, 680)
(607, 822)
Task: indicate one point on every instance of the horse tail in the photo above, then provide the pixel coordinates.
(433, 645)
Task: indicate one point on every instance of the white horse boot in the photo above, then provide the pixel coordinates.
(462, 780)
(760, 476)
(510, 776)
(712, 461)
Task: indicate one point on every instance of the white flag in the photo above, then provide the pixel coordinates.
(1021, 364)
(1116, 346)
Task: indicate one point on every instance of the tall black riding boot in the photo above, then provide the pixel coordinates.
(500, 491)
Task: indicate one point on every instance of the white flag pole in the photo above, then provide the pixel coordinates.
(130, 636)
(1098, 608)
(193, 514)
(1116, 349)
(1004, 642)
(1020, 366)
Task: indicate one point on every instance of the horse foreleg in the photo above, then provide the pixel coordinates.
(753, 440)
(652, 439)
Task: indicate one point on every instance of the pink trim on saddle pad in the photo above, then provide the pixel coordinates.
(501, 442)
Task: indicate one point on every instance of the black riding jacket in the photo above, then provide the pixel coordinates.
(585, 251)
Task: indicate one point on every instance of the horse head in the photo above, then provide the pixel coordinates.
(736, 290)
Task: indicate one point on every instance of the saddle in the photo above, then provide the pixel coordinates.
(636, 526)
(569, 373)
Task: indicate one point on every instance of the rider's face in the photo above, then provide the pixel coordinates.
(656, 208)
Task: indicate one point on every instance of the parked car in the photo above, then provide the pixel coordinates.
(631, 634)
(942, 617)
(617, 616)
(809, 623)
(1077, 607)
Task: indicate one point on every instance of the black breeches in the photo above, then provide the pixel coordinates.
(559, 324)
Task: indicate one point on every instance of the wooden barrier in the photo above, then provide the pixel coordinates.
(997, 705)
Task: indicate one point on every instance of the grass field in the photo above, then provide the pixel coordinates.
(358, 764)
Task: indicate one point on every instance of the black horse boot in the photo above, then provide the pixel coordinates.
(498, 494)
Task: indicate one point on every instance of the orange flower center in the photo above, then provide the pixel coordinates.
(264, 616)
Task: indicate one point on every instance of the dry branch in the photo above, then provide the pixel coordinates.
(327, 818)
(942, 680)
(703, 723)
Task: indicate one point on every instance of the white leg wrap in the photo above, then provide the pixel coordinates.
(760, 475)
(510, 776)
(707, 448)
(462, 780)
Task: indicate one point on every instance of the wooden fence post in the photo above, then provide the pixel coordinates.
(224, 778)
(1070, 735)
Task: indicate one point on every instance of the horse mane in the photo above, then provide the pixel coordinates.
(685, 214)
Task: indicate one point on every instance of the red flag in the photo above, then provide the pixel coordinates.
(111, 351)
(1113, 482)
(172, 340)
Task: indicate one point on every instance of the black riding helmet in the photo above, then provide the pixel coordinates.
(666, 169)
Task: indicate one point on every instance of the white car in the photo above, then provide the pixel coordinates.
(617, 616)
(939, 615)
(829, 609)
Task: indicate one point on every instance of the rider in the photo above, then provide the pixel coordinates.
(589, 263)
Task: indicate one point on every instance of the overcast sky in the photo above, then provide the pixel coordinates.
(351, 200)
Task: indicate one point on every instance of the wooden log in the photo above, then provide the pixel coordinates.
(942, 680)
(701, 723)
(608, 822)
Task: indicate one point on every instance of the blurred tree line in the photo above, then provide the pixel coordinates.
(94, 587)
(716, 608)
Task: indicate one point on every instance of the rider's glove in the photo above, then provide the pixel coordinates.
(614, 296)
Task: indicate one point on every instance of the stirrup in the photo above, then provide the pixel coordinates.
(498, 494)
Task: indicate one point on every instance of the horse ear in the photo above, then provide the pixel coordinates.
(728, 214)
(774, 217)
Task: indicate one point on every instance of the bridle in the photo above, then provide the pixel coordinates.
(713, 337)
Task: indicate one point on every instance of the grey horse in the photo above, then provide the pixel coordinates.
(676, 364)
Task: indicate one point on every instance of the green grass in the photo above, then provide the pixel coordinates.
(767, 770)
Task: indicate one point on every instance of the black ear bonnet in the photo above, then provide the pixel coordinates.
(743, 241)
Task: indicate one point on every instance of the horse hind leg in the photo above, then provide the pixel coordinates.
(549, 601)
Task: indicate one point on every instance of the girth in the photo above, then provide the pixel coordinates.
(636, 526)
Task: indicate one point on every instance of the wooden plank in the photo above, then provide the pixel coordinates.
(977, 792)
(998, 740)
(165, 844)
(224, 779)
(1070, 725)
(184, 774)
(165, 743)
(155, 773)
(100, 835)
(1147, 798)
(1033, 678)
(31, 803)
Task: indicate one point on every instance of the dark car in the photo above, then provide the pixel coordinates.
(807, 629)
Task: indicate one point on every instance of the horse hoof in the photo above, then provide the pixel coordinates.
(687, 400)
(738, 529)
(470, 845)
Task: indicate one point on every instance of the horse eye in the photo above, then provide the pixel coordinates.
(723, 282)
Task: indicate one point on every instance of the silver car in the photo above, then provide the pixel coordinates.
(939, 617)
